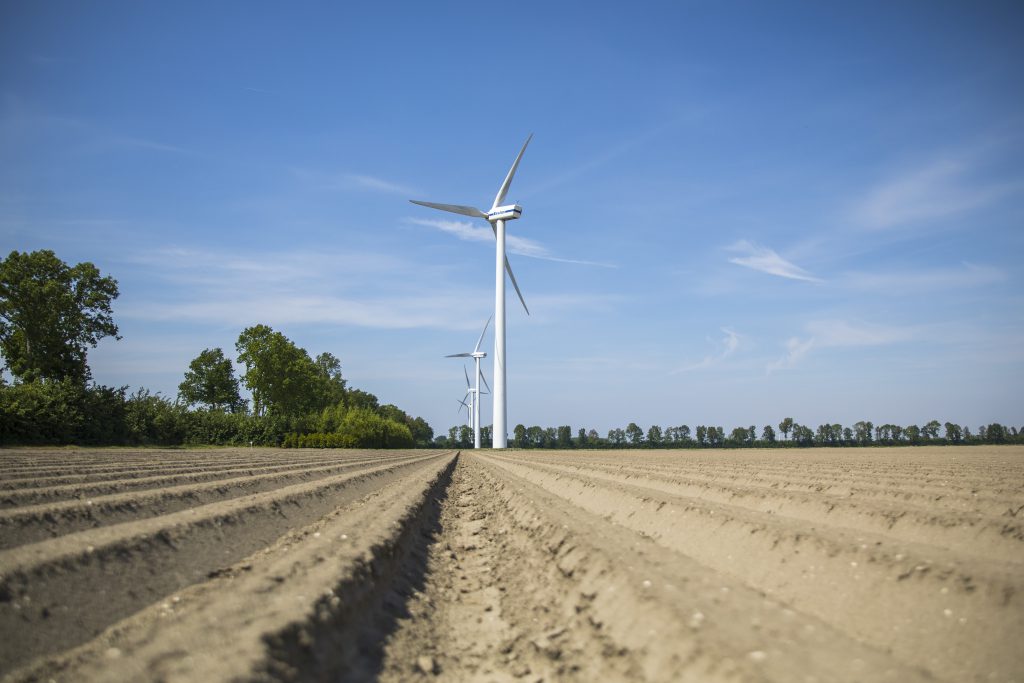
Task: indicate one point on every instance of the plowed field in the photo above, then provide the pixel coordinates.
(812, 565)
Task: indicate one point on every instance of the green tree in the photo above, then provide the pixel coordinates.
(862, 432)
(519, 436)
(654, 436)
(786, 426)
(634, 434)
(50, 313)
(564, 437)
(357, 398)
(333, 384)
(210, 381)
(282, 377)
(954, 434)
(913, 433)
(581, 437)
(702, 435)
(931, 430)
(768, 434)
(739, 435)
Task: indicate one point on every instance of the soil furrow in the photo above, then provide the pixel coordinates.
(57, 593)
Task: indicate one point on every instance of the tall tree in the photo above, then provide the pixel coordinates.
(50, 313)
(785, 426)
(282, 377)
(210, 381)
(768, 434)
(634, 434)
(564, 437)
(333, 383)
(519, 436)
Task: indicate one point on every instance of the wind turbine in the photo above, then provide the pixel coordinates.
(477, 355)
(497, 217)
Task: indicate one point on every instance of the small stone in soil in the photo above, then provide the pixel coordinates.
(426, 664)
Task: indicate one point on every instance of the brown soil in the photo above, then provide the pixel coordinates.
(811, 565)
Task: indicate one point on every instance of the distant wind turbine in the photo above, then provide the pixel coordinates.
(477, 355)
(497, 217)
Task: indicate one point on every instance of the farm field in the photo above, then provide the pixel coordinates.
(874, 564)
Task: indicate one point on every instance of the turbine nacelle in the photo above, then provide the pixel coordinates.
(509, 212)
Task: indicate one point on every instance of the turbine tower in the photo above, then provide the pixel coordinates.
(477, 355)
(497, 217)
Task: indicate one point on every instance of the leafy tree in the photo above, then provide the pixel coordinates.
(786, 426)
(333, 384)
(739, 435)
(702, 435)
(862, 432)
(210, 381)
(848, 435)
(50, 313)
(357, 398)
(953, 433)
(282, 377)
(581, 438)
(616, 437)
(634, 434)
(593, 437)
(519, 436)
(931, 430)
(995, 433)
(654, 436)
(465, 436)
(913, 433)
(564, 437)
(768, 434)
(535, 437)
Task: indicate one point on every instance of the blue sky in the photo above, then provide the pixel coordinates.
(733, 212)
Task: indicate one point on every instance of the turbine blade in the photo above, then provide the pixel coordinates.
(469, 387)
(515, 284)
(480, 340)
(453, 208)
(459, 355)
(500, 197)
(508, 269)
(485, 381)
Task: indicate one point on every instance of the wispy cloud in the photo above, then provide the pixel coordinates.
(766, 260)
(351, 182)
(367, 182)
(825, 334)
(522, 246)
(727, 347)
(796, 349)
(939, 190)
(965, 276)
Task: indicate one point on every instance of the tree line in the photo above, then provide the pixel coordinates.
(793, 434)
(52, 313)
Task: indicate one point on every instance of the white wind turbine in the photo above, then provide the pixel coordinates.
(497, 217)
(477, 355)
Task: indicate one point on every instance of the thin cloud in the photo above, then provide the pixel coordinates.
(367, 182)
(934, 192)
(839, 334)
(351, 182)
(796, 349)
(729, 343)
(517, 245)
(766, 260)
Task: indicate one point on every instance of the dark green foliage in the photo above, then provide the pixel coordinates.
(210, 381)
(50, 313)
